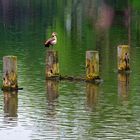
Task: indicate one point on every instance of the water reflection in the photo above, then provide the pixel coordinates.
(92, 92)
(52, 95)
(123, 84)
(10, 103)
(10, 107)
(52, 90)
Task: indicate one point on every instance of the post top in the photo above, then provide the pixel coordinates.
(91, 51)
(124, 46)
(10, 56)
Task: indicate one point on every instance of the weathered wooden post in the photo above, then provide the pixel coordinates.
(92, 65)
(10, 73)
(123, 58)
(52, 65)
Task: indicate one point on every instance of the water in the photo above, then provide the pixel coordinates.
(69, 110)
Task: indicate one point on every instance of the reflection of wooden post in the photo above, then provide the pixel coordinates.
(52, 65)
(92, 65)
(123, 58)
(10, 103)
(92, 93)
(123, 84)
(52, 95)
(10, 73)
(52, 90)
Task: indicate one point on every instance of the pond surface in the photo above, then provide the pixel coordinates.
(70, 110)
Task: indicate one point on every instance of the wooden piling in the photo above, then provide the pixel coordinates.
(92, 65)
(52, 65)
(10, 73)
(123, 58)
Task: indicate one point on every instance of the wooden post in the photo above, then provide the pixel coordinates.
(52, 65)
(123, 58)
(10, 73)
(92, 65)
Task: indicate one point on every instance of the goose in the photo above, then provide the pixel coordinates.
(51, 41)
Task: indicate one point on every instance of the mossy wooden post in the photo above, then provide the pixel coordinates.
(123, 58)
(92, 65)
(52, 65)
(10, 73)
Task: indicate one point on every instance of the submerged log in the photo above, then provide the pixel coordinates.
(10, 73)
(123, 58)
(92, 65)
(52, 65)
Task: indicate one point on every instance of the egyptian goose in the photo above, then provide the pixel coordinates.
(51, 41)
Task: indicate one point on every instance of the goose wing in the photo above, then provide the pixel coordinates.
(49, 40)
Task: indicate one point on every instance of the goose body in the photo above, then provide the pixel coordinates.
(51, 41)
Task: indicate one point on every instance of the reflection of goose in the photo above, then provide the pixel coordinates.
(51, 41)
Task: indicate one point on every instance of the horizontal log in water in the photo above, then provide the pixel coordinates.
(74, 78)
